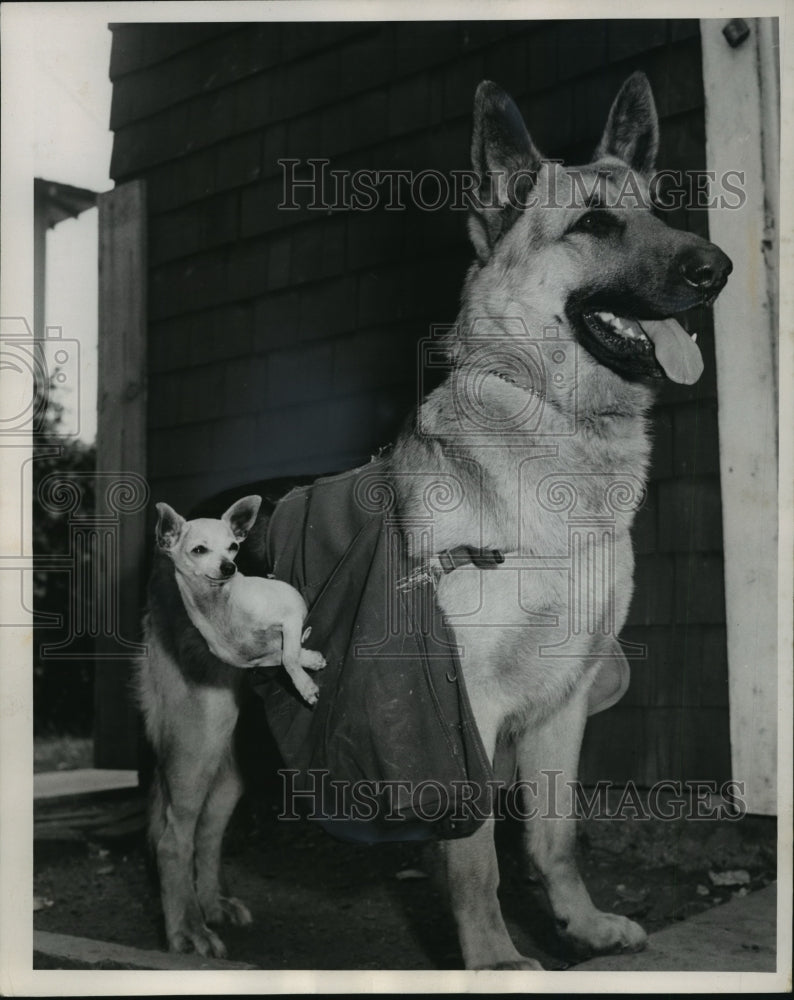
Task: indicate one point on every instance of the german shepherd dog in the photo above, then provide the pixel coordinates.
(566, 328)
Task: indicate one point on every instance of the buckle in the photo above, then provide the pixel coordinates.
(462, 555)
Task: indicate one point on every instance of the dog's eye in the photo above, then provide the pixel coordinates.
(199, 550)
(597, 222)
(234, 547)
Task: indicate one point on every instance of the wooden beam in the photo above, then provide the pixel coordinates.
(121, 463)
(746, 338)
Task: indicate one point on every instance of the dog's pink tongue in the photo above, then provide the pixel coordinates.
(676, 351)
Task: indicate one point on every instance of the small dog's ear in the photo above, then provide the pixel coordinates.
(505, 161)
(632, 130)
(169, 526)
(241, 515)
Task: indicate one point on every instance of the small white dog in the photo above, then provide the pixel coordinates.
(233, 612)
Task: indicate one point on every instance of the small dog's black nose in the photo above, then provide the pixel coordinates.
(705, 268)
(228, 568)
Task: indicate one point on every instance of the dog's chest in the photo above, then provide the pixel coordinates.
(530, 627)
(529, 630)
(577, 580)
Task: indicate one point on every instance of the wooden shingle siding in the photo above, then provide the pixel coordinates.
(286, 341)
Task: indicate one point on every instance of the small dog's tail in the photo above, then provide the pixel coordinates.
(157, 810)
(146, 688)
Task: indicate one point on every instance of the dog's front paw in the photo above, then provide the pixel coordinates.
(607, 932)
(236, 911)
(306, 688)
(198, 938)
(312, 660)
(227, 908)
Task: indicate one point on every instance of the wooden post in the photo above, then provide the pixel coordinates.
(121, 457)
(746, 338)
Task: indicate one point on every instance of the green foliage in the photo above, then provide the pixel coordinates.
(62, 689)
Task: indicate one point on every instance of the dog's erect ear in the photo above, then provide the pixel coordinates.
(169, 526)
(505, 161)
(632, 130)
(241, 515)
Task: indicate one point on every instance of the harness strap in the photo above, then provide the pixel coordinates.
(447, 561)
(461, 555)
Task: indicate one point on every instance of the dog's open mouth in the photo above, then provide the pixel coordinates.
(664, 341)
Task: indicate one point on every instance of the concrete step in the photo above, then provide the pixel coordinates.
(738, 936)
(63, 951)
(50, 785)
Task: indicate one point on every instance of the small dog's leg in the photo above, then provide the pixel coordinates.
(548, 753)
(311, 659)
(292, 659)
(218, 808)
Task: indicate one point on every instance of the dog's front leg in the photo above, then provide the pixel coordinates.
(223, 796)
(185, 928)
(470, 873)
(294, 656)
(201, 731)
(548, 759)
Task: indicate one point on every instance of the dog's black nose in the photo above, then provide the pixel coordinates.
(705, 268)
(228, 568)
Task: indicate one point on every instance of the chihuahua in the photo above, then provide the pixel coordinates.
(236, 614)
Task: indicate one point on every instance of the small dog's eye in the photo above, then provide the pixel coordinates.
(199, 550)
(234, 547)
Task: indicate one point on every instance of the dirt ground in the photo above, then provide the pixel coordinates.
(319, 903)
